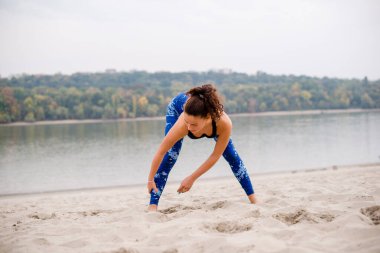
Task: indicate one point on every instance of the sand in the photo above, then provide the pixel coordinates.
(330, 210)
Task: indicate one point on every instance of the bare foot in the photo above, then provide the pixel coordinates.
(152, 208)
(252, 199)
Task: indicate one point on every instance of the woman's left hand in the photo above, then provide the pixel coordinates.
(186, 185)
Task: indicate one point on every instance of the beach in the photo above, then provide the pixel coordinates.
(333, 209)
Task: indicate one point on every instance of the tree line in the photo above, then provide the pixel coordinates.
(116, 95)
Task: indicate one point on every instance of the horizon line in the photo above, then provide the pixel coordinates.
(216, 70)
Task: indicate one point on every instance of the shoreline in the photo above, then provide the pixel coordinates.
(204, 180)
(255, 114)
(331, 210)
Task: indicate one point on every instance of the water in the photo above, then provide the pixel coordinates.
(38, 158)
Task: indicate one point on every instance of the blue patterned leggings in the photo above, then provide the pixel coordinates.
(175, 108)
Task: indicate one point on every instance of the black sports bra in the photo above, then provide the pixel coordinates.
(191, 135)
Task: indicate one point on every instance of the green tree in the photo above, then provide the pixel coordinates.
(79, 111)
(139, 93)
(30, 117)
(263, 107)
(367, 101)
(9, 108)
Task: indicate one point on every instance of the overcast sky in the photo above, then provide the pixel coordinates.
(316, 38)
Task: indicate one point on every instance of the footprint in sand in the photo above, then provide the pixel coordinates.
(169, 213)
(170, 210)
(253, 214)
(217, 205)
(373, 213)
(229, 227)
(42, 216)
(177, 208)
(302, 215)
(90, 213)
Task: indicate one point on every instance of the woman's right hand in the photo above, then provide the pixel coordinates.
(152, 186)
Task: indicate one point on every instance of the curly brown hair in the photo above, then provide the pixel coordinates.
(204, 100)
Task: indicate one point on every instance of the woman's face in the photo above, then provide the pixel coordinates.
(194, 123)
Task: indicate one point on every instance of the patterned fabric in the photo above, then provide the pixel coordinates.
(237, 167)
(174, 110)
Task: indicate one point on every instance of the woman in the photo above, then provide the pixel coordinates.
(197, 114)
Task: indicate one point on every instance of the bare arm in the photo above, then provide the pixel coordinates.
(177, 132)
(220, 146)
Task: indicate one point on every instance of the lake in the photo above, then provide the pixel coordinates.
(38, 158)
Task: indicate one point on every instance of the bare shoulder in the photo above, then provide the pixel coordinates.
(176, 132)
(224, 124)
(179, 127)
